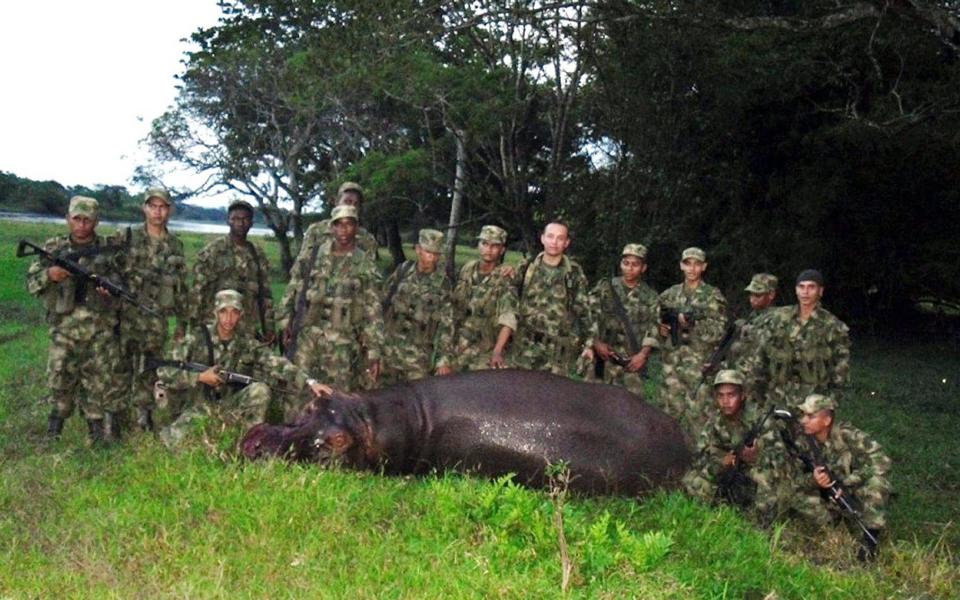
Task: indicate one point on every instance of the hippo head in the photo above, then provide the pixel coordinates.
(265, 440)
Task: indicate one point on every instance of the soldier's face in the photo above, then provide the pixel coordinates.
(227, 319)
(240, 222)
(349, 199)
(555, 239)
(344, 231)
(693, 269)
(761, 301)
(82, 228)
(729, 399)
(490, 252)
(428, 260)
(156, 212)
(817, 422)
(809, 293)
(632, 267)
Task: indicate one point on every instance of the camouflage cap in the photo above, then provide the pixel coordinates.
(349, 186)
(84, 205)
(762, 283)
(817, 402)
(492, 234)
(694, 253)
(344, 211)
(227, 299)
(810, 275)
(638, 250)
(431, 240)
(731, 376)
(157, 192)
(240, 205)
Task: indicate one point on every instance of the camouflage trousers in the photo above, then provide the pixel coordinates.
(147, 340)
(332, 357)
(701, 484)
(822, 512)
(404, 364)
(235, 409)
(80, 371)
(682, 397)
(617, 375)
(542, 352)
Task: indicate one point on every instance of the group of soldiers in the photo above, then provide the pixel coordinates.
(339, 323)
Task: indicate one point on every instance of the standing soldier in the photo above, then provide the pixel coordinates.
(331, 311)
(233, 262)
(692, 324)
(763, 293)
(156, 271)
(349, 194)
(83, 341)
(803, 349)
(418, 315)
(486, 305)
(556, 322)
(846, 463)
(627, 318)
(223, 346)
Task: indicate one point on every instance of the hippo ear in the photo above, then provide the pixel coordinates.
(338, 440)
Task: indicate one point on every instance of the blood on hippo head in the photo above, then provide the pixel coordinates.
(265, 440)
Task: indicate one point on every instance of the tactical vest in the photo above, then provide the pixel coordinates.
(157, 277)
(335, 287)
(415, 305)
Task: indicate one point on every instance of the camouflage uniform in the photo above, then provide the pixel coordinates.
(84, 346)
(556, 320)
(319, 234)
(231, 406)
(682, 365)
(343, 316)
(484, 303)
(794, 359)
(418, 320)
(748, 329)
(221, 265)
(642, 306)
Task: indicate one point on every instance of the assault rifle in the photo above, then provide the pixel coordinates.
(25, 248)
(671, 317)
(228, 377)
(734, 486)
(813, 459)
(300, 308)
(717, 356)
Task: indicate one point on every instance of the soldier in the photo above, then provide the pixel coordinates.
(156, 271)
(418, 315)
(225, 347)
(233, 262)
(485, 305)
(628, 312)
(726, 469)
(349, 194)
(341, 325)
(763, 293)
(850, 464)
(83, 342)
(697, 310)
(802, 349)
(556, 322)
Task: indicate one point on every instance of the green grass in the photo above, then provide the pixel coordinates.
(138, 521)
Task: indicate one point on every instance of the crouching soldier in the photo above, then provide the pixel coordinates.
(739, 456)
(224, 349)
(846, 474)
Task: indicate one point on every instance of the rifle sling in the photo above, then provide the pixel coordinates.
(261, 309)
(403, 271)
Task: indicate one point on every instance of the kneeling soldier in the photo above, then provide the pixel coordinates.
(224, 348)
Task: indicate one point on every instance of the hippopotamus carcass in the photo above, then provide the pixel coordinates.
(490, 423)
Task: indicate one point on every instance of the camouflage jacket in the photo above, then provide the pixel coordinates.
(722, 435)
(707, 305)
(242, 354)
(72, 299)
(419, 318)
(319, 233)
(343, 295)
(222, 265)
(642, 306)
(483, 303)
(554, 302)
(854, 459)
(156, 271)
(747, 337)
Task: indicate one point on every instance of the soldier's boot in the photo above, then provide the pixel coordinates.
(145, 420)
(113, 426)
(95, 427)
(54, 425)
(868, 548)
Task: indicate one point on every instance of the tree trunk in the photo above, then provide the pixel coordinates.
(456, 205)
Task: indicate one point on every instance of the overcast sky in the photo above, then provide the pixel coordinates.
(82, 79)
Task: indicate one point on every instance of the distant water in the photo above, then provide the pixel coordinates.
(174, 225)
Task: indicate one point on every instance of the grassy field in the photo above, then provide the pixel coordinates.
(136, 521)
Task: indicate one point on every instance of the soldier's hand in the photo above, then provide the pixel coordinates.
(57, 274)
(269, 338)
(374, 370)
(749, 453)
(684, 323)
(822, 478)
(287, 336)
(730, 460)
(508, 271)
(320, 390)
(664, 329)
(497, 361)
(102, 292)
(211, 377)
(587, 354)
(603, 349)
(444, 370)
(637, 362)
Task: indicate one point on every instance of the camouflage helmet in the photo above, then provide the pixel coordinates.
(85, 206)
(492, 234)
(762, 283)
(227, 299)
(814, 403)
(349, 186)
(731, 376)
(159, 193)
(344, 211)
(694, 253)
(638, 250)
(431, 240)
